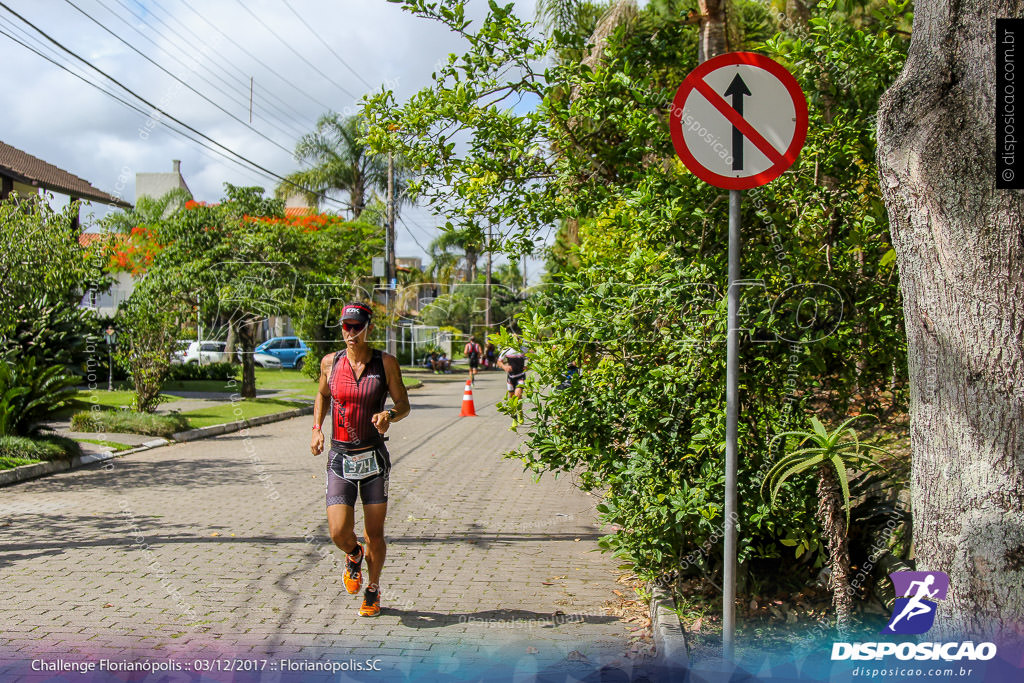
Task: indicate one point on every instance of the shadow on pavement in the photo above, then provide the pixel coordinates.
(126, 474)
(504, 618)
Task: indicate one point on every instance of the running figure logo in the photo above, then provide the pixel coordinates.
(914, 611)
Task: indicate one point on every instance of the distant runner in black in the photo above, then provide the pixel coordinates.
(473, 352)
(356, 382)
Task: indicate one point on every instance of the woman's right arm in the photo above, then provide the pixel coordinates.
(323, 399)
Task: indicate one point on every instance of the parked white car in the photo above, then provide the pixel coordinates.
(265, 360)
(178, 357)
(205, 352)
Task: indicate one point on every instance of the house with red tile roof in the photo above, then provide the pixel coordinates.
(27, 175)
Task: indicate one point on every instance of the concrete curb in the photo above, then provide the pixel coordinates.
(41, 469)
(238, 425)
(669, 637)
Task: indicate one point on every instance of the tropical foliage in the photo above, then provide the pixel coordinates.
(637, 304)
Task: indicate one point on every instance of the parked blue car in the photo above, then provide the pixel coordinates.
(290, 350)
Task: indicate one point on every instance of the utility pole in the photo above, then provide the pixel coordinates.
(487, 282)
(389, 266)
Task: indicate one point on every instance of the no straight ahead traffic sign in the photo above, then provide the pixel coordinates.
(739, 120)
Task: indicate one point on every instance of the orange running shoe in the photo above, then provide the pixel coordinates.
(353, 576)
(371, 602)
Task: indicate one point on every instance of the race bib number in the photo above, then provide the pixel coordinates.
(356, 466)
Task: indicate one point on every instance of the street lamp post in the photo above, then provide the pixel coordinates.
(110, 336)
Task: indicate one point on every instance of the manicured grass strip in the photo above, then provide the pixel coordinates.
(127, 422)
(45, 447)
(112, 444)
(239, 410)
(10, 463)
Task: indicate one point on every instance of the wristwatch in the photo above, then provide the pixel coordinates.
(316, 427)
(391, 415)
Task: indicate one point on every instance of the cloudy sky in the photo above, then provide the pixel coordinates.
(304, 56)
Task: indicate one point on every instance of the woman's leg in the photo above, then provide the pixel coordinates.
(341, 523)
(376, 548)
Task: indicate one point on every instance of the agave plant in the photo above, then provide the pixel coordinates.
(832, 454)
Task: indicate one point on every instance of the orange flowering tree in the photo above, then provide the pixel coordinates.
(241, 260)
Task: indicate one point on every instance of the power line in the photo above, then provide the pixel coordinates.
(401, 219)
(296, 52)
(324, 43)
(146, 102)
(202, 146)
(234, 42)
(146, 57)
(297, 131)
(227, 62)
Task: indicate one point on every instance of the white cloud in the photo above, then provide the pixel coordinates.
(54, 116)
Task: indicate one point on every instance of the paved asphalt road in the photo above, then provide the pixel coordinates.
(218, 549)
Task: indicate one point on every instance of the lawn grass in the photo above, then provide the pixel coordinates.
(267, 379)
(293, 382)
(85, 399)
(239, 410)
(112, 444)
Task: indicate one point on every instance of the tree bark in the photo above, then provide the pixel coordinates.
(832, 519)
(960, 253)
(711, 40)
(247, 339)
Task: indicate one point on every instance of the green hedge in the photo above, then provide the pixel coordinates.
(219, 372)
(128, 422)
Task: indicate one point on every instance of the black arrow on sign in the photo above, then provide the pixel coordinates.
(737, 89)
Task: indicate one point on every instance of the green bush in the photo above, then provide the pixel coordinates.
(220, 372)
(128, 422)
(149, 322)
(31, 394)
(54, 332)
(48, 447)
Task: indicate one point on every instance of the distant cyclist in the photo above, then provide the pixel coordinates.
(355, 383)
(473, 352)
(513, 362)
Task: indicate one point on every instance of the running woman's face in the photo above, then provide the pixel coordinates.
(353, 333)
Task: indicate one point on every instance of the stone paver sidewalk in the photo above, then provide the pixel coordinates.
(220, 548)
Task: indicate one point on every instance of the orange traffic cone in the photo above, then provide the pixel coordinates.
(467, 401)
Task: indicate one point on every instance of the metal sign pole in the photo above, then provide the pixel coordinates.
(731, 422)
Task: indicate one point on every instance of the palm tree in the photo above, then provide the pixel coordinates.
(340, 161)
(452, 248)
(831, 453)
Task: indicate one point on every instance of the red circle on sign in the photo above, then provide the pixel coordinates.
(786, 158)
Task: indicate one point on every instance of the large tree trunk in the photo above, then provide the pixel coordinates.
(961, 262)
(711, 40)
(247, 340)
